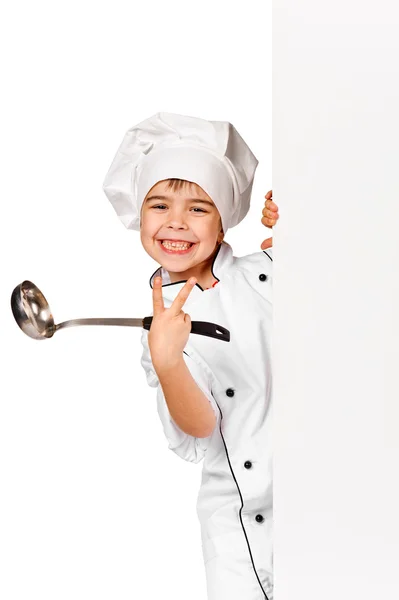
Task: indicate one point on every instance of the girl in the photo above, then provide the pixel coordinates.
(182, 182)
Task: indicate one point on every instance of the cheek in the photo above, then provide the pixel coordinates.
(211, 230)
(145, 224)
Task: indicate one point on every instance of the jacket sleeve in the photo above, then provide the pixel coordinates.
(184, 445)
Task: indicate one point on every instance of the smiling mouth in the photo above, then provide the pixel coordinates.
(178, 248)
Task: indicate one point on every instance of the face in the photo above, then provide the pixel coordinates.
(187, 215)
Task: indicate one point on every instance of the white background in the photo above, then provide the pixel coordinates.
(92, 502)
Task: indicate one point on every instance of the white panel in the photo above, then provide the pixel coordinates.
(336, 298)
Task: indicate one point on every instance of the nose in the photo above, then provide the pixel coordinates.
(176, 219)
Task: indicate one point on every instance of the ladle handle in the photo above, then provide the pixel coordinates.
(201, 327)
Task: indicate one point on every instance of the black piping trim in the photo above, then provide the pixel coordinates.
(184, 280)
(267, 255)
(239, 491)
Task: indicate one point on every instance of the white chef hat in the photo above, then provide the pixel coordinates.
(211, 154)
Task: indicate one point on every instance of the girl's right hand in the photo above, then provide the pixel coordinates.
(170, 327)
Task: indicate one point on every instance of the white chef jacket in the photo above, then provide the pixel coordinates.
(235, 499)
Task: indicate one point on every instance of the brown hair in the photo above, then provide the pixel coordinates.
(177, 184)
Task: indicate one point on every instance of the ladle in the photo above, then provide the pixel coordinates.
(33, 315)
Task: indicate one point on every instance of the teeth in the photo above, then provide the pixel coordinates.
(176, 245)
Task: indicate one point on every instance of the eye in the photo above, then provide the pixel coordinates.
(194, 208)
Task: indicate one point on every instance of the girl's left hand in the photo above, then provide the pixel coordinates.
(269, 219)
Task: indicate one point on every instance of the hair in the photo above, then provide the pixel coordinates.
(177, 184)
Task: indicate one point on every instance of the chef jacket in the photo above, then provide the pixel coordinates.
(235, 500)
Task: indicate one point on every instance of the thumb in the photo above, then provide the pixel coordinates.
(267, 243)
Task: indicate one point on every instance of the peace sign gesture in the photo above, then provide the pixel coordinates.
(170, 327)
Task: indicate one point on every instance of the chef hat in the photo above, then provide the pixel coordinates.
(211, 154)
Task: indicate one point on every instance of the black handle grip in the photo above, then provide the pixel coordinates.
(200, 327)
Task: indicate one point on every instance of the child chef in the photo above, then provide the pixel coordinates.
(182, 182)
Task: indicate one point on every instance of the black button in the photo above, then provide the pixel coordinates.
(229, 392)
(259, 518)
(262, 277)
(247, 464)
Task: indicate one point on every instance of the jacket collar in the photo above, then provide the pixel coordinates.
(221, 262)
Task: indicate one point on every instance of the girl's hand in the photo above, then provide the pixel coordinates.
(269, 219)
(170, 327)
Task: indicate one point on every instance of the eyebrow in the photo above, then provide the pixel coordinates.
(201, 200)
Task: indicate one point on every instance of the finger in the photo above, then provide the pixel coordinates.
(271, 205)
(182, 296)
(157, 298)
(268, 222)
(270, 213)
(267, 244)
(269, 195)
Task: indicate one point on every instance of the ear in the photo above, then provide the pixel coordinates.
(221, 233)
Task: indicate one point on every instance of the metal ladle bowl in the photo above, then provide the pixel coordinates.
(33, 315)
